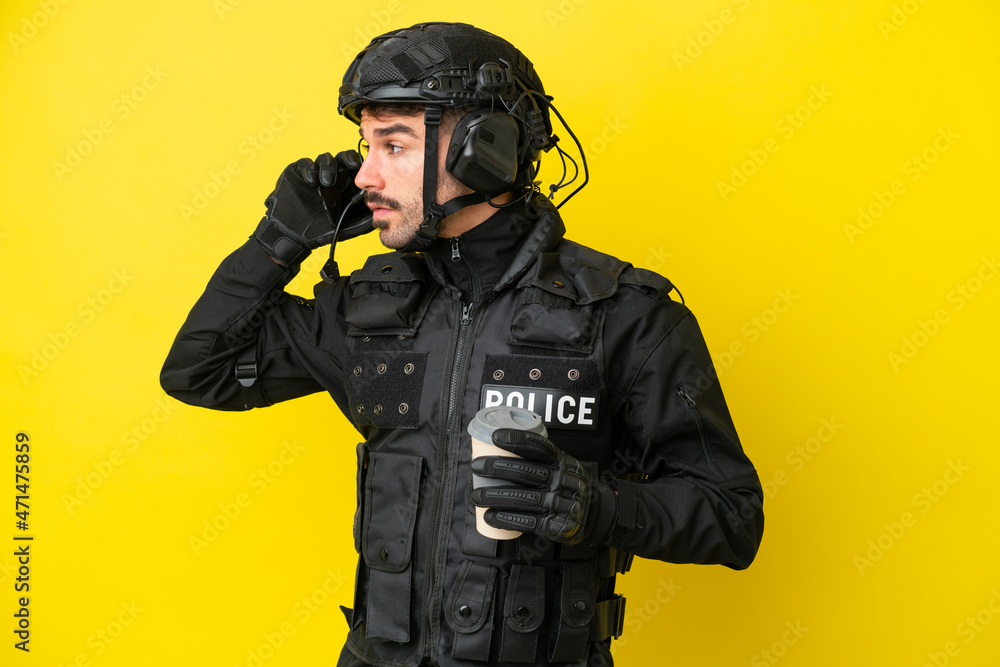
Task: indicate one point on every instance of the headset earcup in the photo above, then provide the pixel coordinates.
(483, 152)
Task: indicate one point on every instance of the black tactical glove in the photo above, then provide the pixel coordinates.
(307, 202)
(557, 496)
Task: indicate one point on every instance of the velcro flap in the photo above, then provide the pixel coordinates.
(524, 607)
(471, 599)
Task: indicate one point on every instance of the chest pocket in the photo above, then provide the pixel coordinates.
(390, 296)
(563, 302)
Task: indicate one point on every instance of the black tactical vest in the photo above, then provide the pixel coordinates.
(421, 363)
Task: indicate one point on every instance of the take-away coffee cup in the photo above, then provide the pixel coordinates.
(481, 429)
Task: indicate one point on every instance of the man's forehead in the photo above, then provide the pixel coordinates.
(386, 124)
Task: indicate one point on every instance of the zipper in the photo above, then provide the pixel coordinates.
(473, 274)
(453, 431)
(445, 500)
(695, 416)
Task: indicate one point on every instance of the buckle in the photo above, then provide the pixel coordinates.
(618, 623)
(246, 373)
(435, 212)
(609, 619)
(432, 114)
(627, 565)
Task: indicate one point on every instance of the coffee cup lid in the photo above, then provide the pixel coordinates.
(488, 420)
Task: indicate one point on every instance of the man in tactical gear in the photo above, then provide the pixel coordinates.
(483, 303)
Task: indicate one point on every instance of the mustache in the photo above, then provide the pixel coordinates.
(380, 200)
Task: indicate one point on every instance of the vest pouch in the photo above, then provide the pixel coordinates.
(562, 303)
(392, 490)
(469, 611)
(574, 611)
(389, 296)
(523, 611)
(552, 322)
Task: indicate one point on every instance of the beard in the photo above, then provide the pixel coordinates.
(395, 235)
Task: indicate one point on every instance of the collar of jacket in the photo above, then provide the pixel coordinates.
(499, 250)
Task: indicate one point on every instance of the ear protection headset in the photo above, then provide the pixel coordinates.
(489, 152)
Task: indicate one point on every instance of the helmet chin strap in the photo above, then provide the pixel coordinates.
(434, 213)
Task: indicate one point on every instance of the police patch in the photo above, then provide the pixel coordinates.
(557, 408)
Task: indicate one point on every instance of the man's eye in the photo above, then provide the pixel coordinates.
(393, 149)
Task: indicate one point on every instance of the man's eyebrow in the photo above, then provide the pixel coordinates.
(396, 128)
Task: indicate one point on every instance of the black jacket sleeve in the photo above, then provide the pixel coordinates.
(244, 305)
(697, 498)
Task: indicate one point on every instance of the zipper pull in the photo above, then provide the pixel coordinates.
(685, 397)
(466, 314)
(456, 256)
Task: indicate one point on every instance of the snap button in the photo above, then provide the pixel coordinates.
(366, 338)
(523, 612)
(387, 268)
(403, 408)
(534, 374)
(557, 283)
(383, 553)
(378, 409)
(465, 611)
(408, 368)
(498, 375)
(361, 409)
(580, 606)
(573, 374)
(357, 371)
(381, 369)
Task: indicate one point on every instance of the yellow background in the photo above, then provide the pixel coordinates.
(101, 263)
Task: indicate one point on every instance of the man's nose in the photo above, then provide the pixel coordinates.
(368, 177)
